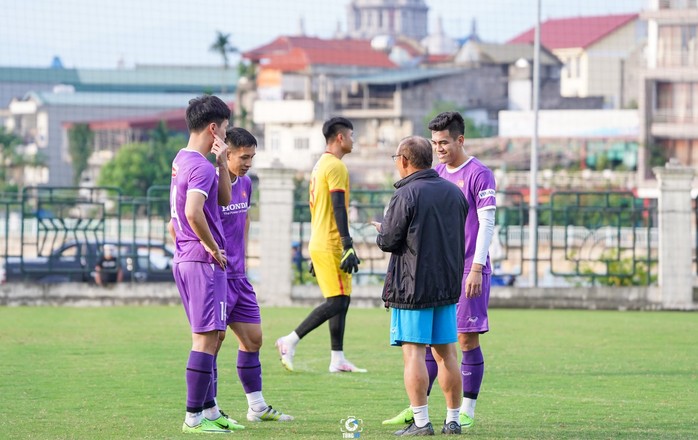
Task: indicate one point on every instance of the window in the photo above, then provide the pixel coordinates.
(274, 141)
(301, 143)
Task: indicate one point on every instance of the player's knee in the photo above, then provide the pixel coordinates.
(338, 304)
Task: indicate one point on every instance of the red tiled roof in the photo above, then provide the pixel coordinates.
(575, 32)
(297, 53)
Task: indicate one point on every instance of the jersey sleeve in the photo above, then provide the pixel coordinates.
(337, 177)
(485, 191)
(201, 179)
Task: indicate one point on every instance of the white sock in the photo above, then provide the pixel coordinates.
(336, 357)
(292, 339)
(212, 413)
(256, 402)
(468, 407)
(193, 419)
(452, 415)
(421, 415)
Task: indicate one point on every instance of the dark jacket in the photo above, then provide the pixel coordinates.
(424, 229)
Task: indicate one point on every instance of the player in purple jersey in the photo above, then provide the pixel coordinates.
(242, 310)
(478, 185)
(200, 260)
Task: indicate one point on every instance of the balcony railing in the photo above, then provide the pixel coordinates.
(672, 116)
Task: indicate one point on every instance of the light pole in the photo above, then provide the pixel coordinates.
(533, 187)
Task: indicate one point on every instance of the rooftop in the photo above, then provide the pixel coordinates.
(582, 32)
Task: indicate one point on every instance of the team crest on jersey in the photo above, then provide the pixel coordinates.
(244, 194)
(485, 193)
(175, 168)
(460, 183)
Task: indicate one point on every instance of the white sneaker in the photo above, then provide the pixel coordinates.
(286, 353)
(268, 415)
(346, 367)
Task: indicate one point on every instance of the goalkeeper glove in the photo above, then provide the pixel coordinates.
(311, 269)
(349, 262)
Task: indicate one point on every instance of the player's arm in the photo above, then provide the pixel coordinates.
(194, 212)
(247, 231)
(485, 232)
(349, 262)
(171, 230)
(224, 184)
(392, 235)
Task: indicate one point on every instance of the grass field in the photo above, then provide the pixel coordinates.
(118, 373)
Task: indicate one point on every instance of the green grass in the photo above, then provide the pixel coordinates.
(118, 373)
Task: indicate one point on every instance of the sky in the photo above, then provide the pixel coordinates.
(100, 34)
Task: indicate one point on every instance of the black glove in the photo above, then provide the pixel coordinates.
(311, 269)
(349, 262)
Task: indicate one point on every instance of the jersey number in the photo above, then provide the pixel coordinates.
(173, 207)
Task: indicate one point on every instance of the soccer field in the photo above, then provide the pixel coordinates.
(118, 373)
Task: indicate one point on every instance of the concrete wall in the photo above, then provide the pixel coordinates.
(80, 294)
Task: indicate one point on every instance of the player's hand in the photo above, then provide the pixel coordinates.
(473, 285)
(378, 226)
(218, 149)
(311, 269)
(350, 261)
(218, 254)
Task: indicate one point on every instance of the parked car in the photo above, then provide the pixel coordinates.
(74, 261)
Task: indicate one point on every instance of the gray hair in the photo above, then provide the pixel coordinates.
(417, 150)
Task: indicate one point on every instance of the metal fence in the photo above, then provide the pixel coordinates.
(584, 238)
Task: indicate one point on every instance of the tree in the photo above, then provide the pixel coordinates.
(80, 146)
(138, 166)
(471, 130)
(222, 46)
(10, 160)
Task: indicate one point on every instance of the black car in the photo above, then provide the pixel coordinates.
(74, 261)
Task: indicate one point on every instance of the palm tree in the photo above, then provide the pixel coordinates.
(223, 47)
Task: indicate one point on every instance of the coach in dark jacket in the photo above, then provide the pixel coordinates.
(424, 228)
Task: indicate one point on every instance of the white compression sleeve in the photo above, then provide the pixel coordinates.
(484, 235)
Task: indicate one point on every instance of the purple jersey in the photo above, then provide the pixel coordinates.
(234, 218)
(478, 185)
(191, 171)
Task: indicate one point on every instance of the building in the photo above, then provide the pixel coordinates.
(600, 55)
(39, 104)
(42, 118)
(296, 81)
(669, 103)
(370, 18)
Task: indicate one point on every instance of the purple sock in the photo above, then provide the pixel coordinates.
(212, 392)
(432, 369)
(199, 370)
(472, 369)
(250, 371)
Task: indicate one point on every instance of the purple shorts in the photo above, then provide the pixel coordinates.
(242, 302)
(202, 289)
(471, 314)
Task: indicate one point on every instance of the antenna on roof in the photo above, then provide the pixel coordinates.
(301, 27)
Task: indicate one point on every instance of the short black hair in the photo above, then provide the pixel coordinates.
(333, 126)
(417, 150)
(451, 121)
(205, 110)
(237, 137)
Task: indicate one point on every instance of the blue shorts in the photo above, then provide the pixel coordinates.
(425, 326)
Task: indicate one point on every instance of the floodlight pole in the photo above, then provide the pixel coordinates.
(533, 188)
